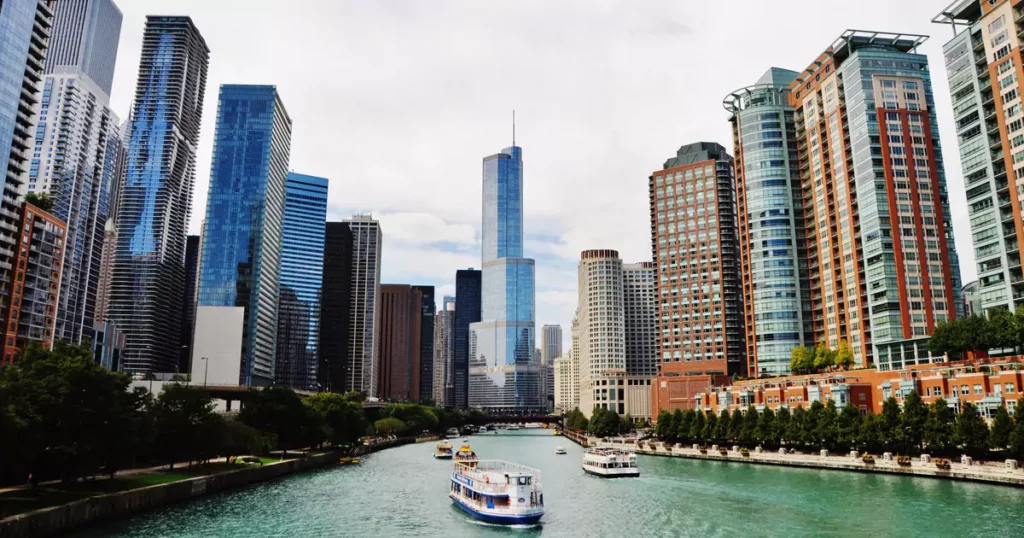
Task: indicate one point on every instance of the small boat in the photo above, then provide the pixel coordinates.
(452, 433)
(443, 450)
(498, 492)
(348, 461)
(610, 463)
(492, 428)
(555, 432)
(483, 429)
(560, 450)
(465, 439)
(513, 427)
(466, 456)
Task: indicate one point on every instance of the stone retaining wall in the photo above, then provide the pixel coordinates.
(60, 519)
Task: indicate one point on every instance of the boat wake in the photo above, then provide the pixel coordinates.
(515, 527)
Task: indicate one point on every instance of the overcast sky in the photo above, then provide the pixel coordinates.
(397, 102)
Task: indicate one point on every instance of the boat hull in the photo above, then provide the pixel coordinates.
(442, 456)
(496, 519)
(635, 474)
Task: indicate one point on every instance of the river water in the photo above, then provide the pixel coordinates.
(403, 492)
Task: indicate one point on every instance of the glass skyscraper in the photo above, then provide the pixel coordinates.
(155, 197)
(76, 147)
(302, 274)
(467, 312)
(241, 252)
(503, 375)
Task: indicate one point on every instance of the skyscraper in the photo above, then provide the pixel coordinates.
(467, 312)
(86, 34)
(444, 352)
(302, 268)
(502, 374)
(241, 253)
(76, 146)
(106, 272)
(883, 266)
(567, 372)
(398, 338)
(602, 331)
(335, 308)
(426, 351)
(983, 63)
(364, 313)
(188, 301)
(693, 236)
(156, 196)
(25, 28)
(772, 231)
(551, 344)
(640, 306)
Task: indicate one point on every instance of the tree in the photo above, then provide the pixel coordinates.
(41, 200)
(1002, 332)
(766, 430)
(1017, 437)
(697, 427)
(664, 426)
(239, 439)
(827, 430)
(710, 430)
(810, 425)
(891, 428)
(945, 338)
(181, 420)
(781, 432)
(1002, 429)
(345, 420)
(915, 414)
(976, 333)
(389, 426)
(872, 433)
(416, 417)
(824, 356)
(279, 411)
(971, 431)
(604, 422)
(801, 360)
(796, 428)
(939, 428)
(844, 355)
(683, 425)
(749, 434)
(723, 428)
(65, 416)
(575, 420)
(736, 426)
(848, 428)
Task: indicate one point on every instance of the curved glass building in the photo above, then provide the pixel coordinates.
(776, 296)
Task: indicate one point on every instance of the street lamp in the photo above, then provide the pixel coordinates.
(206, 369)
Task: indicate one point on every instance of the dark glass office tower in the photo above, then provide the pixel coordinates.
(156, 195)
(188, 301)
(302, 263)
(335, 307)
(241, 260)
(467, 311)
(428, 308)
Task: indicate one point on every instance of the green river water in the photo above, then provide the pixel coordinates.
(403, 492)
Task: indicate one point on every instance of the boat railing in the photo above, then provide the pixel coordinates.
(484, 471)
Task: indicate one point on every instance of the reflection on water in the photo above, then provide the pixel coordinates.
(403, 492)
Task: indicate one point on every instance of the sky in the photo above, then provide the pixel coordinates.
(398, 101)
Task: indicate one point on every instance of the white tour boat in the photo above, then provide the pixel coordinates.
(443, 450)
(482, 429)
(610, 462)
(498, 492)
(452, 433)
(513, 427)
(560, 450)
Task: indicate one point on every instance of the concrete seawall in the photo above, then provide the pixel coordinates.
(958, 471)
(59, 519)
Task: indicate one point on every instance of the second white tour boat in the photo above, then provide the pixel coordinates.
(610, 462)
(498, 492)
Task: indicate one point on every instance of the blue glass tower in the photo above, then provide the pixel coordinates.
(302, 267)
(502, 375)
(155, 195)
(241, 253)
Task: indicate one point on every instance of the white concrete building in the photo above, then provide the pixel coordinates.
(364, 318)
(444, 354)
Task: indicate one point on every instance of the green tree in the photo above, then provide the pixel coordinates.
(683, 425)
(664, 425)
(389, 426)
(239, 439)
(1002, 332)
(736, 426)
(344, 420)
(710, 431)
(913, 419)
(766, 430)
(782, 420)
(41, 200)
(1002, 429)
(604, 423)
(848, 428)
(181, 416)
(674, 423)
(575, 420)
(1017, 437)
(697, 427)
(796, 428)
(723, 428)
(977, 333)
(810, 425)
(844, 355)
(824, 356)
(891, 426)
(971, 431)
(801, 360)
(939, 428)
(749, 434)
(827, 430)
(417, 418)
(872, 433)
(279, 411)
